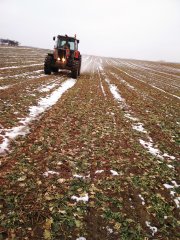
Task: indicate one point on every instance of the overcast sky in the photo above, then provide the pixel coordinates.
(139, 29)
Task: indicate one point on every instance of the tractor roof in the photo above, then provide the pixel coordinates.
(67, 37)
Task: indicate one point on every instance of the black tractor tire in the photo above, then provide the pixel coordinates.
(75, 69)
(79, 68)
(47, 64)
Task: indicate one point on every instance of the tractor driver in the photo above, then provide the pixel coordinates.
(66, 45)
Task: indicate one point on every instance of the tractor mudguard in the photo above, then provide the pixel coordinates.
(76, 54)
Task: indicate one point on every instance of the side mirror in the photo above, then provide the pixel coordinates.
(78, 41)
(54, 38)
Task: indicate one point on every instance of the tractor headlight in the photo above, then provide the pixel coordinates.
(63, 59)
(58, 59)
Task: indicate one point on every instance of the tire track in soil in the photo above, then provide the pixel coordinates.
(145, 77)
(145, 108)
(34, 111)
(16, 100)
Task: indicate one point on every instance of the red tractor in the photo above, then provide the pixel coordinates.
(64, 56)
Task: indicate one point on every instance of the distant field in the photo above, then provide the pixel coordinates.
(88, 159)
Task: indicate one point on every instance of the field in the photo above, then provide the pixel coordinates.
(88, 159)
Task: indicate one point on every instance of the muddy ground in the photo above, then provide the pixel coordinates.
(88, 159)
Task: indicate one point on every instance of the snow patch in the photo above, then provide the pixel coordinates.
(168, 186)
(85, 198)
(110, 230)
(123, 81)
(46, 174)
(114, 173)
(173, 193)
(24, 66)
(26, 74)
(5, 87)
(47, 88)
(175, 185)
(128, 115)
(116, 93)
(153, 229)
(149, 146)
(139, 127)
(99, 171)
(169, 156)
(177, 201)
(77, 176)
(102, 89)
(143, 201)
(170, 166)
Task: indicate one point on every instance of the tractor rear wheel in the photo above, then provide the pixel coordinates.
(47, 64)
(75, 69)
(79, 68)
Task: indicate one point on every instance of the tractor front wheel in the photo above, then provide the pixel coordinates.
(75, 69)
(47, 65)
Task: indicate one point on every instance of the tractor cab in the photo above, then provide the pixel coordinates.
(65, 49)
(65, 42)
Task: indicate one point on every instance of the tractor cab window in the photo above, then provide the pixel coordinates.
(61, 43)
(71, 45)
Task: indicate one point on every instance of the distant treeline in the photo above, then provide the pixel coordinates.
(8, 42)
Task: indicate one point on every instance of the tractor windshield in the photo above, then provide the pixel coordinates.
(63, 43)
